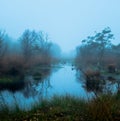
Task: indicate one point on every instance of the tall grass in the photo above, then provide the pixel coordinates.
(68, 108)
(100, 109)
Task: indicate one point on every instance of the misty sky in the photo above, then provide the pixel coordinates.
(67, 22)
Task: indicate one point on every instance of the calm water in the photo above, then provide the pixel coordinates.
(60, 82)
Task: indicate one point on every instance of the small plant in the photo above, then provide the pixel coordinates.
(92, 74)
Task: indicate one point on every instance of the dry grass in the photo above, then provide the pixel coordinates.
(67, 108)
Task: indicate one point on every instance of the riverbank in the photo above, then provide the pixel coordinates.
(68, 108)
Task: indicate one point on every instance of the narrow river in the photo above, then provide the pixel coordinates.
(63, 81)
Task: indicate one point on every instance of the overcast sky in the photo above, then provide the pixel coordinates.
(67, 22)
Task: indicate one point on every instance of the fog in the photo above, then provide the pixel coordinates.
(67, 22)
(59, 60)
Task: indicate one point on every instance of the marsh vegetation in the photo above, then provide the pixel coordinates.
(32, 73)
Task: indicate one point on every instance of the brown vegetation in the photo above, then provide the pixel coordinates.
(31, 50)
(99, 60)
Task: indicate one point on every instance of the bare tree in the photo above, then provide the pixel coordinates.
(36, 44)
(28, 41)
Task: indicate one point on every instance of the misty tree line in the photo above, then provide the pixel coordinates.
(98, 50)
(99, 61)
(32, 48)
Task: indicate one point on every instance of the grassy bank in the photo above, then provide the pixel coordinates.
(67, 108)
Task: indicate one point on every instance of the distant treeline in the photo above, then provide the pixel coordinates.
(30, 49)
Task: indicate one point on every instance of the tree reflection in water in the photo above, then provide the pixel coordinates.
(39, 86)
(32, 92)
(98, 84)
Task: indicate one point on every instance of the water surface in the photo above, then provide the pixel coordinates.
(60, 81)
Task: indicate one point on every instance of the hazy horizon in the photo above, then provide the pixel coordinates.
(67, 22)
